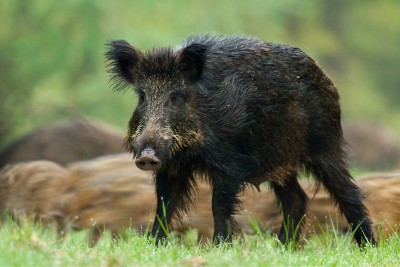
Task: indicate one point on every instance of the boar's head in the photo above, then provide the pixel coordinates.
(165, 121)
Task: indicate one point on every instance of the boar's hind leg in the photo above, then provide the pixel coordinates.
(331, 169)
(293, 201)
(93, 236)
(224, 202)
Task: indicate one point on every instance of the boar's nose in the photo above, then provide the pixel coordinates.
(148, 161)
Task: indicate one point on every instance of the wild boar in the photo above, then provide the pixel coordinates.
(65, 142)
(106, 193)
(237, 111)
(27, 188)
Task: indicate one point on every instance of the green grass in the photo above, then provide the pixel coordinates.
(35, 245)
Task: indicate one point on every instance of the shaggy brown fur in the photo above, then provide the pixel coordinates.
(111, 193)
(383, 201)
(28, 187)
(105, 193)
(372, 146)
(93, 197)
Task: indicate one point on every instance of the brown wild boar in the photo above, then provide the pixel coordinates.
(111, 193)
(28, 187)
(65, 142)
(372, 146)
(93, 198)
(107, 193)
(383, 200)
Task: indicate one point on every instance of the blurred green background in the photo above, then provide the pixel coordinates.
(52, 52)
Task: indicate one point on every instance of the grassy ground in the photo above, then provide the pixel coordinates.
(35, 245)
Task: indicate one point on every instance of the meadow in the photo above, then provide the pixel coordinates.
(35, 245)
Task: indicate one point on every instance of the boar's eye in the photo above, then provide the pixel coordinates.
(177, 98)
(141, 97)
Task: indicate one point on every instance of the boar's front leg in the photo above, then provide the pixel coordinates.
(173, 196)
(224, 203)
(164, 209)
(293, 201)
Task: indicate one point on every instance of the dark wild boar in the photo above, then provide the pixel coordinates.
(237, 111)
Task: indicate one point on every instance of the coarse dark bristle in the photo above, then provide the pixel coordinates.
(118, 52)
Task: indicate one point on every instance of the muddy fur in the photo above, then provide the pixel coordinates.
(236, 111)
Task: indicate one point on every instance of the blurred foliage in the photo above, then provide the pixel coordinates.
(52, 52)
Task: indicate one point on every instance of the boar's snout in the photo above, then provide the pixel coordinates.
(148, 161)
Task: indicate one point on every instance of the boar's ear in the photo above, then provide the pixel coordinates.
(123, 59)
(191, 60)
